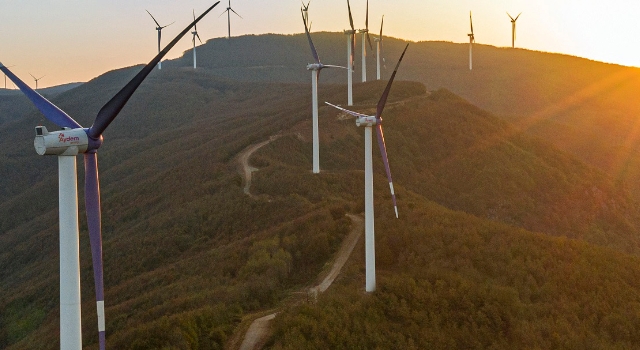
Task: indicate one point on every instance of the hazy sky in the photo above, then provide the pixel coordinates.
(76, 40)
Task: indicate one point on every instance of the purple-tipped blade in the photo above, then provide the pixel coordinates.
(355, 114)
(385, 160)
(94, 218)
(313, 48)
(350, 17)
(111, 109)
(385, 94)
(48, 109)
(158, 24)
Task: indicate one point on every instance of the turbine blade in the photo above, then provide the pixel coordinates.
(370, 44)
(385, 160)
(518, 16)
(333, 66)
(235, 13)
(48, 109)
(471, 21)
(195, 26)
(355, 114)
(168, 25)
(510, 16)
(225, 11)
(313, 48)
(198, 38)
(94, 219)
(158, 24)
(381, 25)
(385, 94)
(350, 17)
(366, 21)
(111, 109)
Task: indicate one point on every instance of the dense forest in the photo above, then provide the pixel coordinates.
(504, 240)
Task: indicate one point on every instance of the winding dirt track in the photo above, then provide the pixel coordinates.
(247, 169)
(258, 332)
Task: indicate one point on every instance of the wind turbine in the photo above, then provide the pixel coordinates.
(315, 69)
(195, 34)
(67, 143)
(365, 35)
(513, 29)
(351, 49)
(34, 78)
(159, 28)
(228, 11)
(472, 39)
(378, 41)
(368, 122)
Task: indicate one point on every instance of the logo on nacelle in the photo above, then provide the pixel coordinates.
(71, 139)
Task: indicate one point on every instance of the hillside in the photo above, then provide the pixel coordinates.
(187, 253)
(584, 107)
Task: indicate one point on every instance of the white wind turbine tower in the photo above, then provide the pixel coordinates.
(351, 48)
(378, 41)
(67, 143)
(472, 39)
(365, 35)
(368, 122)
(195, 34)
(315, 69)
(228, 11)
(159, 28)
(34, 78)
(513, 29)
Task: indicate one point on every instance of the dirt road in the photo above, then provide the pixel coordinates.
(243, 159)
(258, 332)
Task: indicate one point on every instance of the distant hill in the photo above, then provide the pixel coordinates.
(585, 107)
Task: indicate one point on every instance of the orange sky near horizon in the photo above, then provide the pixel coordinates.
(75, 40)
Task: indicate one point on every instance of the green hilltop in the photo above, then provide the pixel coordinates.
(505, 239)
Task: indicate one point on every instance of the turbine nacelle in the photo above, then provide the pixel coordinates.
(315, 66)
(349, 32)
(363, 31)
(66, 142)
(366, 121)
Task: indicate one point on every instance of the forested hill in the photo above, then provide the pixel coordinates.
(585, 107)
(188, 254)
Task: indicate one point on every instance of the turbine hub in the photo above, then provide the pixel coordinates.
(314, 66)
(366, 121)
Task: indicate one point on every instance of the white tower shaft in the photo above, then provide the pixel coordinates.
(349, 71)
(369, 236)
(194, 54)
(470, 54)
(159, 36)
(364, 57)
(316, 137)
(70, 327)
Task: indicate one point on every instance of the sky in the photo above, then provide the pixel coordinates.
(76, 40)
